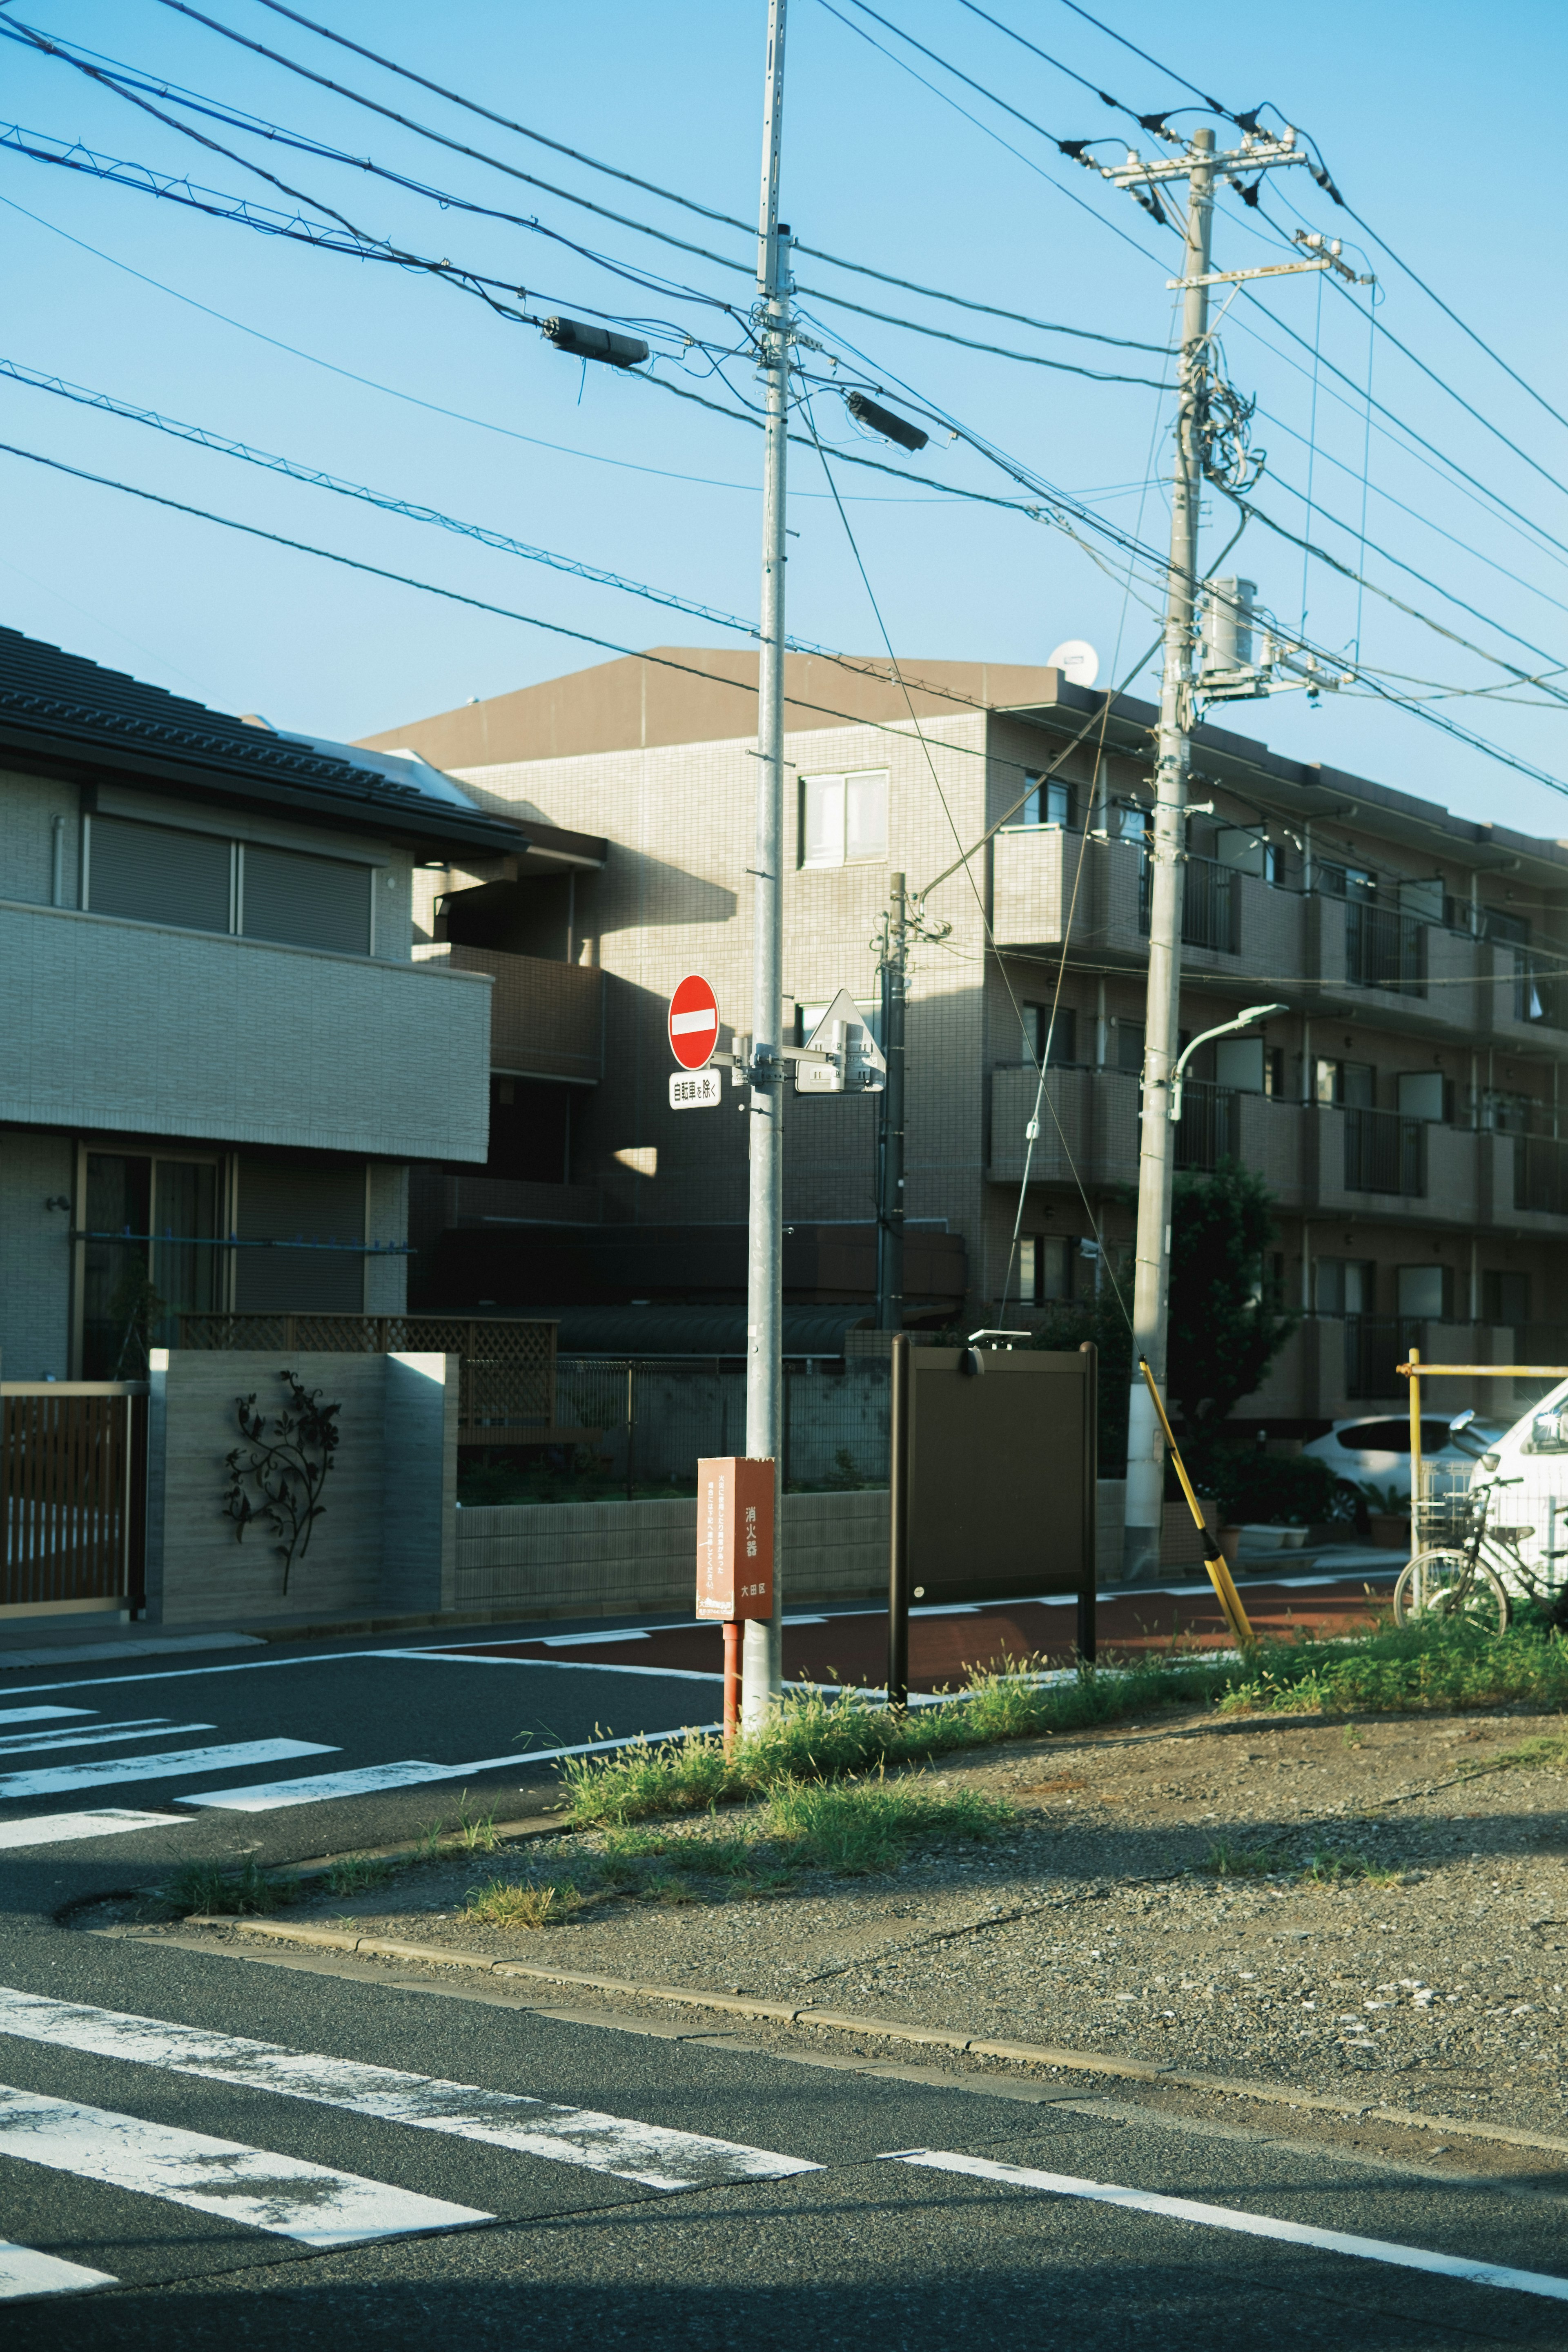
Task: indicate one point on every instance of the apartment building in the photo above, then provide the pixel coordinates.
(1404, 1109)
(218, 1055)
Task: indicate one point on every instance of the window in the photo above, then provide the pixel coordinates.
(1045, 1267)
(1274, 1072)
(1132, 821)
(319, 1203)
(203, 882)
(1129, 1047)
(1045, 803)
(1505, 1297)
(1240, 1062)
(1343, 881)
(152, 874)
(309, 902)
(1424, 1291)
(148, 1253)
(1345, 1286)
(1038, 1031)
(1424, 1094)
(1424, 898)
(844, 819)
(1351, 1085)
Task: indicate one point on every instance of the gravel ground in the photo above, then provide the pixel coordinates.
(1394, 1914)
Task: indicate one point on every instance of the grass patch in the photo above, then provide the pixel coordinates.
(1224, 1861)
(853, 1826)
(1549, 1753)
(826, 1736)
(1339, 1869)
(208, 1887)
(357, 1873)
(502, 1903)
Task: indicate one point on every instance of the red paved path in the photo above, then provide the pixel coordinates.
(853, 1649)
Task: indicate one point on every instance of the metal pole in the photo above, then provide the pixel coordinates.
(1414, 1449)
(1089, 1568)
(1145, 1452)
(898, 1527)
(761, 1656)
(891, 1173)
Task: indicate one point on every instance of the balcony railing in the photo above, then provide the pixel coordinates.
(1211, 904)
(1206, 1130)
(1385, 1153)
(1541, 1174)
(1384, 948)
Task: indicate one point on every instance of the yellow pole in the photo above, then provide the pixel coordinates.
(1414, 1371)
(1214, 1558)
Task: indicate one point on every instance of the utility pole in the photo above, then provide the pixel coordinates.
(890, 1157)
(1167, 853)
(1210, 439)
(761, 1658)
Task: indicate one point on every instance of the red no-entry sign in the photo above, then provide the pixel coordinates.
(693, 1021)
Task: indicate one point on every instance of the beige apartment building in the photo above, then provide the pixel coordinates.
(1404, 1109)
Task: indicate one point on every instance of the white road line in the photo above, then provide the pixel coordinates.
(36, 1715)
(23, 2271)
(103, 1735)
(1250, 2225)
(280, 2193)
(314, 1788)
(53, 1779)
(556, 1666)
(648, 2153)
(570, 1641)
(60, 1829)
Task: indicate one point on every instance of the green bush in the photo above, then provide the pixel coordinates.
(1252, 1485)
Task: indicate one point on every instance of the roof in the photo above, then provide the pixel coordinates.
(58, 709)
(696, 1330)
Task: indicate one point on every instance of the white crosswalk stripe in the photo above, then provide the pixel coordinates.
(65, 1829)
(54, 1779)
(278, 2193)
(25, 2272)
(100, 1735)
(1249, 2225)
(38, 1713)
(651, 2154)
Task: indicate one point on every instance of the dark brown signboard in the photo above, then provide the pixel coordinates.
(1001, 1474)
(734, 1536)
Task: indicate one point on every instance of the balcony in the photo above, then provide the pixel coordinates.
(140, 1028)
(1211, 904)
(547, 1019)
(1209, 1127)
(1539, 1175)
(1384, 948)
(1088, 1121)
(1385, 1153)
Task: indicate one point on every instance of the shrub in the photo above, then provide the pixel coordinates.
(1253, 1485)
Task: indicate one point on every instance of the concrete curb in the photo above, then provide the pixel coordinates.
(889, 2028)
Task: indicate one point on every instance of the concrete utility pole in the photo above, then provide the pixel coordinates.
(1167, 853)
(762, 1659)
(891, 1159)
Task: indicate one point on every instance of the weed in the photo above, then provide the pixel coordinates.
(502, 1903)
(476, 1831)
(853, 1826)
(208, 1887)
(1547, 1753)
(1326, 1869)
(669, 1890)
(623, 1845)
(355, 1874)
(1242, 1861)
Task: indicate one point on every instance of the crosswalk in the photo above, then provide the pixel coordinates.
(315, 2205)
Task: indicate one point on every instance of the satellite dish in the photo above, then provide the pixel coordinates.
(1076, 660)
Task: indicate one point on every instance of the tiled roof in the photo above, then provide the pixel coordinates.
(46, 692)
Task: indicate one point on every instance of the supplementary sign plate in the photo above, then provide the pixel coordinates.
(696, 1089)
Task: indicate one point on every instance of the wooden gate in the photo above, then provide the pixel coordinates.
(73, 1491)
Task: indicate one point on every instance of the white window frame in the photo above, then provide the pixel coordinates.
(843, 778)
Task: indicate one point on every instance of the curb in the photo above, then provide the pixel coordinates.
(1026, 2054)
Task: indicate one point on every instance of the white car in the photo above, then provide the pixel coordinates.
(1375, 1451)
(1529, 1464)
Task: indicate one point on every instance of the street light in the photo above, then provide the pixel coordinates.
(1243, 1020)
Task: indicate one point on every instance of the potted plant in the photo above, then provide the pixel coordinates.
(1389, 1509)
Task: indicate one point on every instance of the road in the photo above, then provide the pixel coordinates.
(255, 2148)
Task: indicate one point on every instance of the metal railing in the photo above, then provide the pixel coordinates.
(507, 1380)
(1384, 948)
(1210, 905)
(1385, 1153)
(1206, 1130)
(646, 1424)
(73, 1491)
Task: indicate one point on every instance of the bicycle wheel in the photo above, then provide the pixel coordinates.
(1441, 1583)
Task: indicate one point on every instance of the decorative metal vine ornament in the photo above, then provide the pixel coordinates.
(288, 1470)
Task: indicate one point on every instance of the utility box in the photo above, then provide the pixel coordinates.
(735, 1536)
(1000, 1493)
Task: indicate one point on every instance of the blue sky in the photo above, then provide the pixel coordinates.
(1437, 136)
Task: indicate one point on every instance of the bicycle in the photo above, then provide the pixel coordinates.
(1460, 1581)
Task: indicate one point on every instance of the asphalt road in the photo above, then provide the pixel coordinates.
(201, 2149)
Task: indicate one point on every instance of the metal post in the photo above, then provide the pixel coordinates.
(732, 1683)
(1145, 1452)
(1414, 1449)
(762, 1662)
(631, 1423)
(890, 1170)
(1089, 1573)
(898, 1527)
